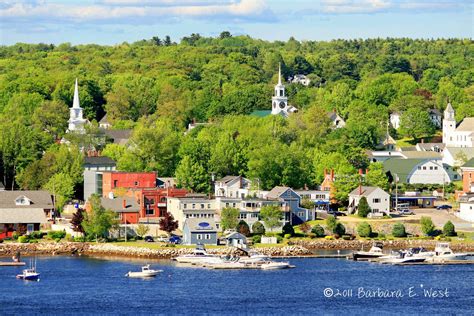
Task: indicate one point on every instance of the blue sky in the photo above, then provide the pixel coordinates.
(116, 21)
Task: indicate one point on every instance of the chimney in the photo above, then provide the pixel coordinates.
(325, 172)
(422, 140)
(332, 174)
(124, 204)
(366, 171)
(360, 172)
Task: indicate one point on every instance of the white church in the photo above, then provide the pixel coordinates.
(280, 104)
(76, 120)
(457, 136)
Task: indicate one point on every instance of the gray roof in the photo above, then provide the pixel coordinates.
(276, 192)
(434, 111)
(365, 191)
(467, 125)
(104, 119)
(199, 224)
(120, 136)
(228, 179)
(99, 161)
(22, 216)
(421, 155)
(168, 181)
(430, 146)
(116, 204)
(39, 199)
(449, 108)
(235, 235)
(454, 151)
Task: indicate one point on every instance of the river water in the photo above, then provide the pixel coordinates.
(82, 285)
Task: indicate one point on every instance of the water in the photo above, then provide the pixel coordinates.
(71, 285)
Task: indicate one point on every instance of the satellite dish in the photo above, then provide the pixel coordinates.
(111, 195)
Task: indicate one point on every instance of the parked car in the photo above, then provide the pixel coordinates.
(163, 239)
(148, 239)
(174, 240)
(405, 211)
(444, 207)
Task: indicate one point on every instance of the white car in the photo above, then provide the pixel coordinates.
(405, 212)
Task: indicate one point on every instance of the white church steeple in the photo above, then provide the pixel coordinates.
(449, 124)
(279, 99)
(76, 120)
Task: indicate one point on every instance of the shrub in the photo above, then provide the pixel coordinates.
(364, 229)
(55, 234)
(398, 230)
(305, 227)
(257, 239)
(311, 235)
(363, 207)
(36, 235)
(448, 229)
(15, 235)
(288, 229)
(69, 237)
(331, 223)
(287, 236)
(279, 239)
(243, 228)
(427, 226)
(329, 237)
(79, 239)
(23, 239)
(258, 228)
(318, 230)
(339, 230)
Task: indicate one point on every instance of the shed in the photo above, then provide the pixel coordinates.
(236, 239)
(199, 231)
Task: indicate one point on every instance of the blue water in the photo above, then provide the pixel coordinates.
(81, 285)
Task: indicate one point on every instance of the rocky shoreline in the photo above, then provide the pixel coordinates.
(294, 248)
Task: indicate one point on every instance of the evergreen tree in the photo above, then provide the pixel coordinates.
(363, 209)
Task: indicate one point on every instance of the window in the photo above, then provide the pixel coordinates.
(431, 167)
(187, 215)
(115, 183)
(435, 168)
(419, 167)
(375, 210)
(136, 183)
(149, 210)
(202, 205)
(207, 236)
(208, 205)
(227, 205)
(424, 167)
(300, 214)
(185, 205)
(376, 200)
(194, 205)
(199, 236)
(233, 204)
(242, 216)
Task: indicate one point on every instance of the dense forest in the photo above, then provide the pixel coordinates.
(157, 87)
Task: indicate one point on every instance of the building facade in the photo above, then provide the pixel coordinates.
(378, 199)
(112, 180)
(457, 136)
(191, 207)
(232, 187)
(93, 174)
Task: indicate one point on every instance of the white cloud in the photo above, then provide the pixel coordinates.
(354, 6)
(121, 10)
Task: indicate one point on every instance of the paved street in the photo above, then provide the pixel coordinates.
(440, 217)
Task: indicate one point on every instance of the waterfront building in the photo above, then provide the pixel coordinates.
(378, 199)
(24, 211)
(236, 239)
(127, 208)
(232, 187)
(153, 202)
(93, 174)
(199, 231)
(183, 208)
(294, 213)
(425, 171)
(468, 176)
(112, 180)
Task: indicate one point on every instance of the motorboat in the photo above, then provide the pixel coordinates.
(146, 272)
(275, 265)
(402, 257)
(199, 255)
(374, 252)
(29, 274)
(443, 252)
(255, 257)
(421, 252)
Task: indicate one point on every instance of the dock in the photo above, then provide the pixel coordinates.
(11, 264)
(447, 262)
(312, 256)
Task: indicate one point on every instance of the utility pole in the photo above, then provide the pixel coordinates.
(396, 192)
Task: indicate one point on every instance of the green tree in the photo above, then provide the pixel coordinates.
(339, 230)
(364, 229)
(448, 229)
(258, 228)
(271, 216)
(331, 223)
(415, 123)
(363, 209)
(98, 221)
(318, 230)
(229, 218)
(243, 228)
(142, 230)
(61, 185)
(398, 230)
(376, 176)
(288, 229)
(192, 175)
(427, 226)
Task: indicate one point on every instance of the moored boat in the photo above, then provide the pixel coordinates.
(443, 252)
(374, 252)
(29, 274)
(199, 255)
(146, 272)
(275, 265)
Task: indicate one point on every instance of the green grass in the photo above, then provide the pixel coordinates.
(151, 245)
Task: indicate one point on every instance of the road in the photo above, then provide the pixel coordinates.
(440, 217)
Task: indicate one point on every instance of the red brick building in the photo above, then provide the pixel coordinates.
(127, 180)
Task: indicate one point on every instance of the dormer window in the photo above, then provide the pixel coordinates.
(22, 200)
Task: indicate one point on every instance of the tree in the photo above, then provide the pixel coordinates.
(192, 175)
(415, 123)
(364, 229)
(448, 229)
(305, 227)
(167, 223)
(376, 176)
(271, 216)
(61, 185)
(363, 209)
(243, 228)
(77, 220)
(331, 223)
(98, 221)
(427, 226)
(258, 228)
(318, 230)
(398, 230)
(288, 229)
(307, 203)
(225, 34)
(229, 218)
(142, 230)
(339, 230)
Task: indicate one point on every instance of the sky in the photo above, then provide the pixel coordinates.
(115, 21)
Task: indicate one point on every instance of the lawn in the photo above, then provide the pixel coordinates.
(155, 245)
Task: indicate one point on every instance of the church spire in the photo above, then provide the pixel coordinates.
(75, 103)
(279, 73)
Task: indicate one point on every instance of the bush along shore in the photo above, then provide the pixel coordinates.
(294, 248)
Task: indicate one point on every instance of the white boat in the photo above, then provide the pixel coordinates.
(255, 257)
(402, 257)
(443, 252)
(199, 255)
(145, 273)
(29, 274)
(374, 252)
(275, 265)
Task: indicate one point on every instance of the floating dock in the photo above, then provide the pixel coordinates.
(11, 264)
